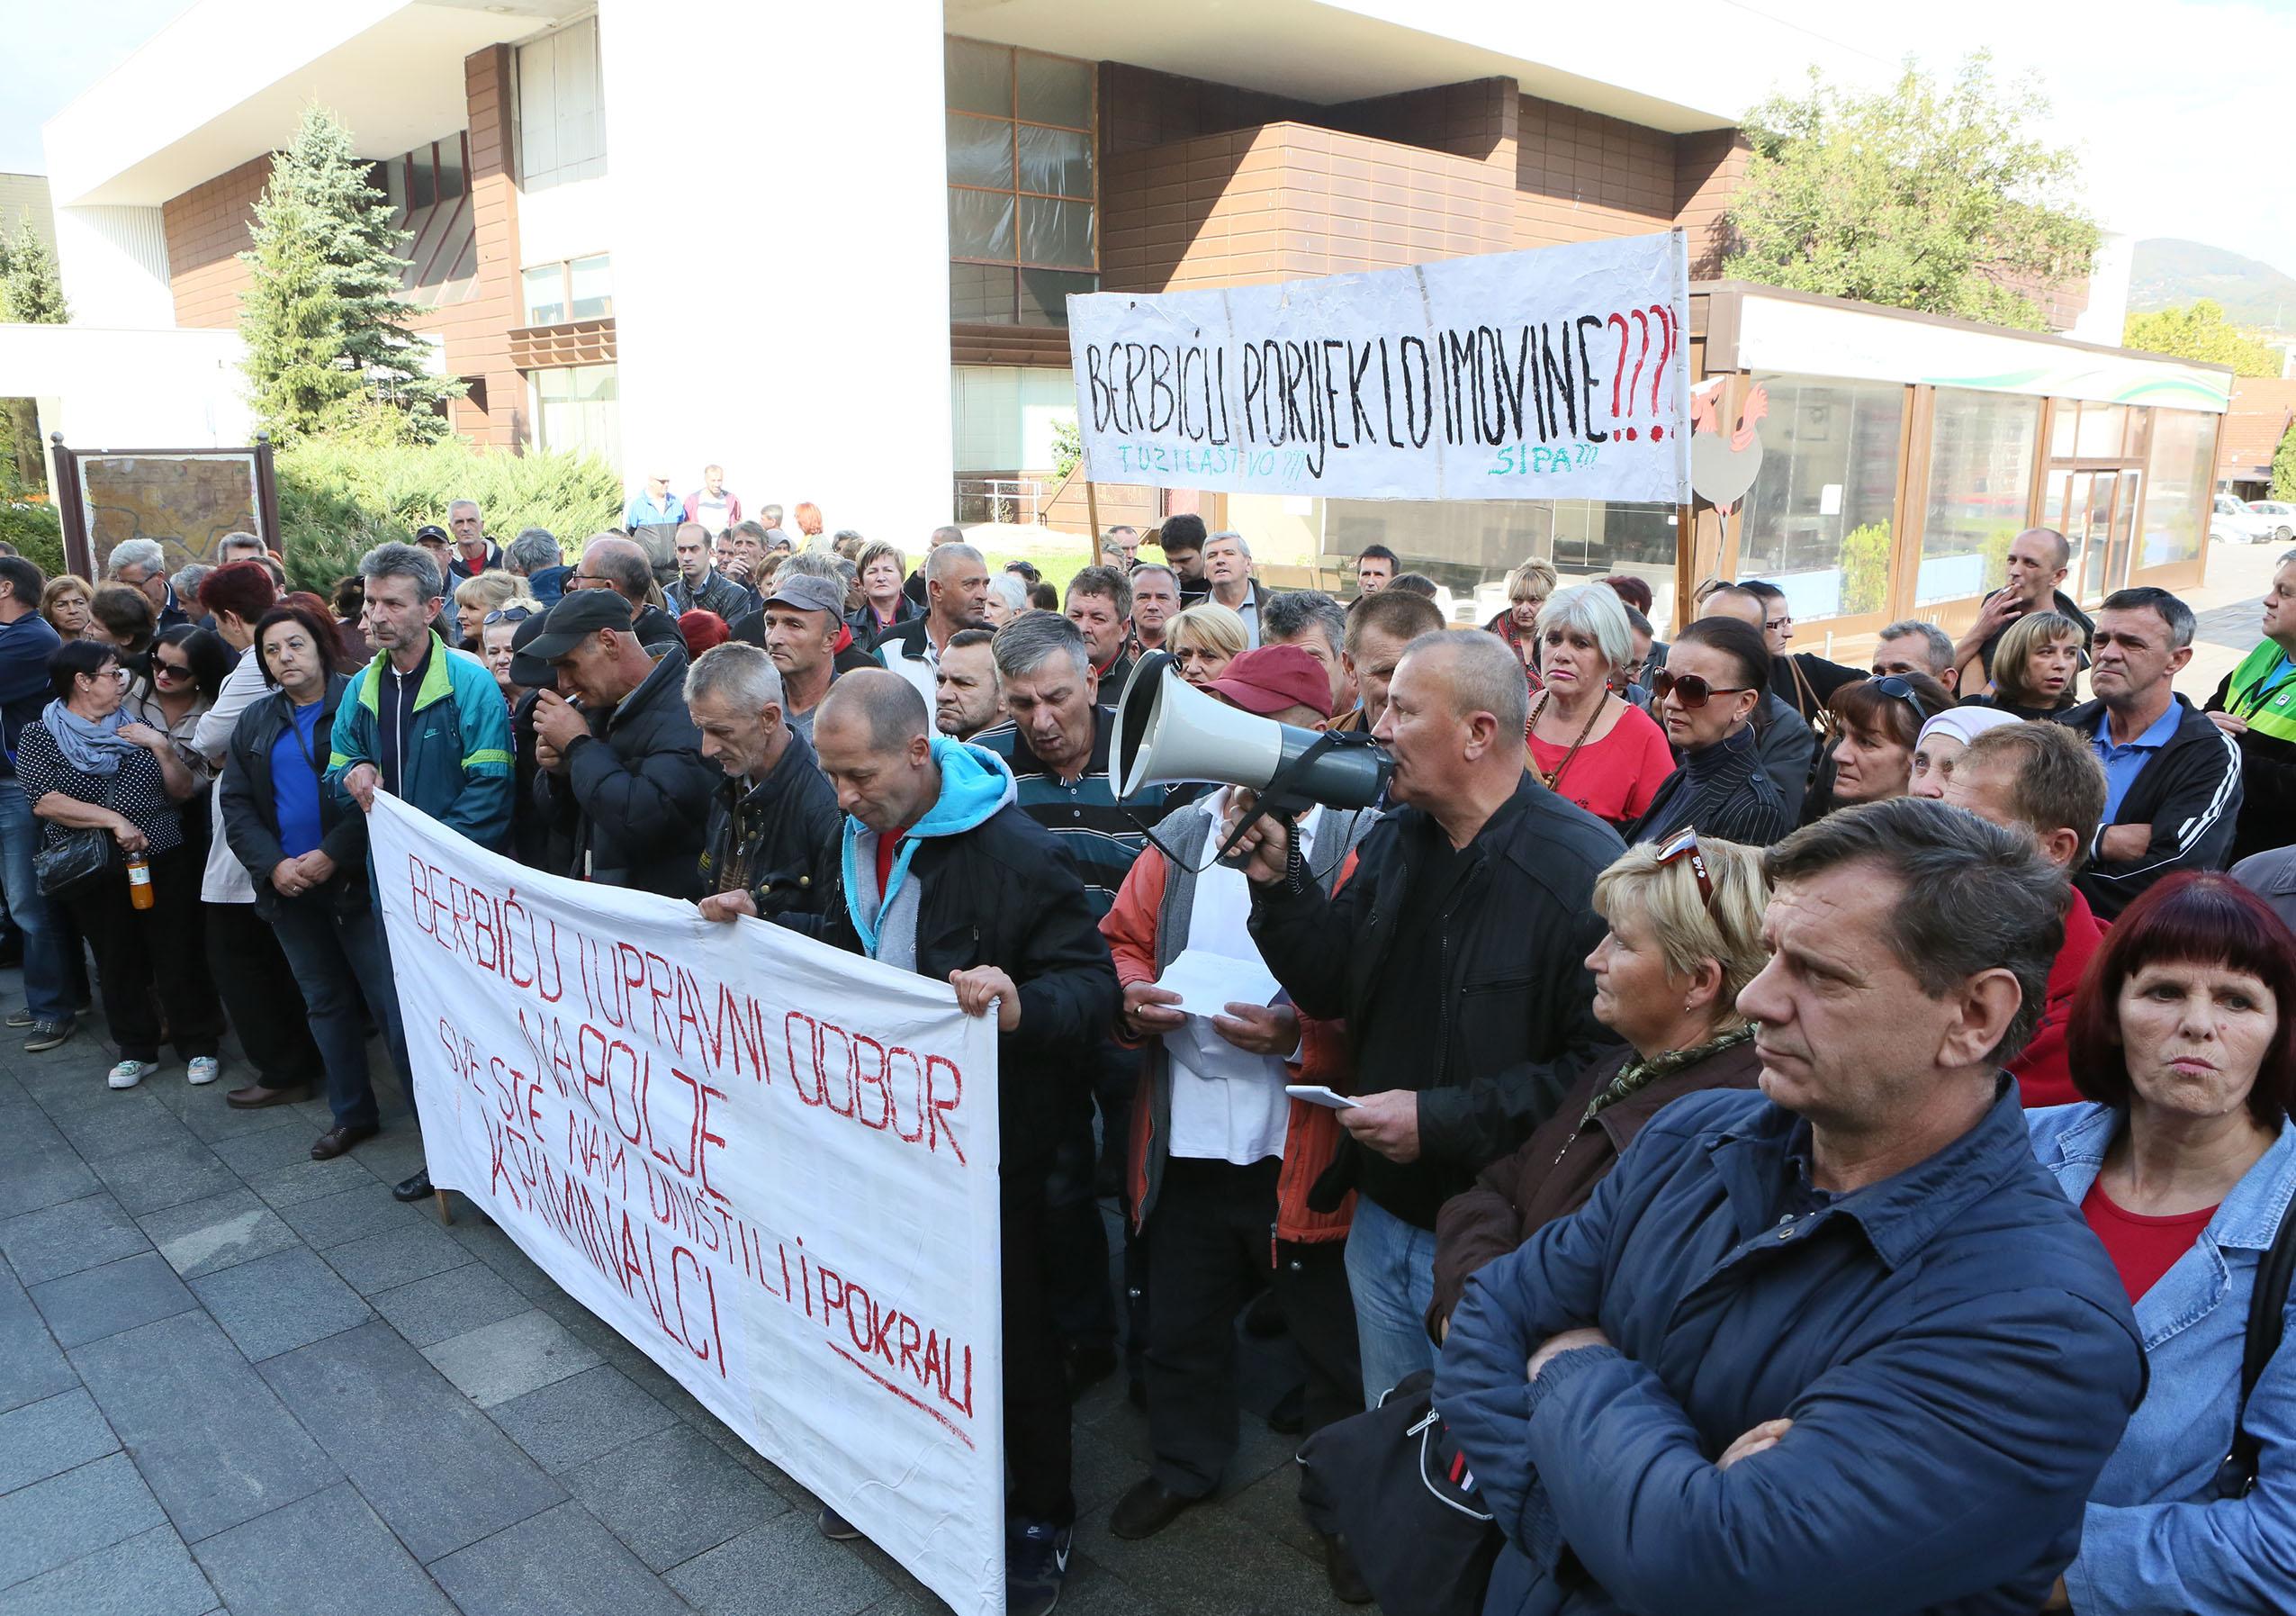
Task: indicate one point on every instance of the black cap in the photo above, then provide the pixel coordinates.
(576, 618)
(530, 671)
(432, 530)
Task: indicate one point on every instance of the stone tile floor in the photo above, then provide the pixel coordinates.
(235, 1380)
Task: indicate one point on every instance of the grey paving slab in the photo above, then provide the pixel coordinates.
(202, 1237)
(38, 1168)
(208, 1434)
(560, 1563)
(267, 1150)
(276, 1303)
(95, 1303)
(64, 1239)
(70, 1080)
(167, 1175)
(49, 1437)
(131, 1122)
(500, 1252)
(365, 1208)
(498, 1362)
(53, 1522)
(375, 1404)
(577, 1419)
(784, 1568)
(674, 1495)
(32, 1368)
(396, 1257)
(150, 1574)
(214, 1121)
(1209, 1561)
(308, 1180)
(394, 1154)
(328, 1555)
(444, 1304)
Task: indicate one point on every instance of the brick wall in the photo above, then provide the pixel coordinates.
(1708, 169)
(477, 330)
(1580, 176)
(206, 226)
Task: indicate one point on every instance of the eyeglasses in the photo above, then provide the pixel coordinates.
(508, 614)
(170, 670)
(1686, 846)
(1890, 685)
(1689, 689)
(1775, 623)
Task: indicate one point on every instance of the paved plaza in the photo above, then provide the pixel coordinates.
(236, 1380)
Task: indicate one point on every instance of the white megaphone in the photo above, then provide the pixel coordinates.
(1169, 732)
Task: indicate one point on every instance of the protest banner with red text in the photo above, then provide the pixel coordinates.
(1562, 373)
(772, 1165)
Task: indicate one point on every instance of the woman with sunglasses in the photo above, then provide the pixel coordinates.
(1586, 742)
(181, 680)
(84, 763)
(496, 630)
(1717, 671)
(251, 973)
(474, 598)
(1686, 925)
(1879, 722)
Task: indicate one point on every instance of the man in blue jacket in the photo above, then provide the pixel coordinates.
(1839, 1345)
(26, 643)
(422, 722)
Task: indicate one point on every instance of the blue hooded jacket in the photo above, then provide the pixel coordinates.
(973, 784)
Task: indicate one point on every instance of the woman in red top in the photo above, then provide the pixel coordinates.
(1585, 741)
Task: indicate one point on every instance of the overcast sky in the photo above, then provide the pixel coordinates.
(2177, 107)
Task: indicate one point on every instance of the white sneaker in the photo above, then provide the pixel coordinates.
(129, 1073)
(201, 1069)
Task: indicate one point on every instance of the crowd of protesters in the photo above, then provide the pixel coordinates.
(1811, 1135)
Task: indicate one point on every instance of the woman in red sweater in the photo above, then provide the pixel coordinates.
(1587, 742)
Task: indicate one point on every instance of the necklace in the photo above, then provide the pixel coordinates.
(1550, 782)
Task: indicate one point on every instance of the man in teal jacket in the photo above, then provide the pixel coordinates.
(422, 722)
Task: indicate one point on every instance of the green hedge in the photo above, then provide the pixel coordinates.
(37, 533)
(336, 500)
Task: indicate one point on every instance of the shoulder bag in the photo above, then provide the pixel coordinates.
(80, 859)
(2267, 1311)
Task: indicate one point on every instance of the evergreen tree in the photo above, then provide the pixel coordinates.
(328, 347)
(32, 292)
(2283, 466)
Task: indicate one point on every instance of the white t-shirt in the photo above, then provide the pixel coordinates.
(1228, 1104)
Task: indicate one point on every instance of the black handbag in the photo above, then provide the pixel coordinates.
(1393, 1482)
(2267, 1313)
(81, 858)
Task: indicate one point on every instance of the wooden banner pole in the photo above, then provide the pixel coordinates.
(1092, 517)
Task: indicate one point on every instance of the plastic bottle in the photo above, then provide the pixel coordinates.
(140, 881)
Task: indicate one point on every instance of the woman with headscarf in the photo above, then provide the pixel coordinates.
(1944, 738)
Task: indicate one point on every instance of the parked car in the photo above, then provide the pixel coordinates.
(2280, 519)
(2231, 522)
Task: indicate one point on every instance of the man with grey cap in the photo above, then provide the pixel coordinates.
(802, 628)
(623, 773)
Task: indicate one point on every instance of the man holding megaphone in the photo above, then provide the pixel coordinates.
(1456, 956)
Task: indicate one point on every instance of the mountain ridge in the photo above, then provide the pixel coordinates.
(2168, 271)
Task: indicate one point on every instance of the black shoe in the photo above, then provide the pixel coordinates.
(1263, 1319)
(48, 1034)
(1347, 1585)
(1087, 1367)
(1289, 1417)
(412, 1190)
(1036, 1563)
(22, 1016)
(1146, 1510)
(834, 1527)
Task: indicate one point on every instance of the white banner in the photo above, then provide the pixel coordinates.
(772, 1165)
(1557, 373)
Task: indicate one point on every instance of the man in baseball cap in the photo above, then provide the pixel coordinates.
(1281, 682)
(801, 627)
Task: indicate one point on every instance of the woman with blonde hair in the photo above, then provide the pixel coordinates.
(1528, 589)
(474, 598)
(1204, 640)
(65, 604)
(885, 604)
(1686, 926)
(2036, 667)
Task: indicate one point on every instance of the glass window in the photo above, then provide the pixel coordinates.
(562, 120)
(2102, 428)
(980, 294)
(423, 188)
(390, 179)
(593, 284)
(1056, 233)
(979, 77)
(1468, 547)
(578, 409)
(545, 293)
(452, 178)
(980, 152)
(1055, 89)
(2182, 470)
(1056, 161)
(1982, 449)
(1817, 521)
(1045, 293)
(980, 224)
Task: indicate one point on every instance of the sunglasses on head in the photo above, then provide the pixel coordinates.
(508, 614)
(1890, 685)
(1686, 846)
(1689, 689)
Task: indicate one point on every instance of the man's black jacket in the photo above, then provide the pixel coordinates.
(2189, 793)
(1514, 997)
(1001, 894)
(636, 791)
(776, 840)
